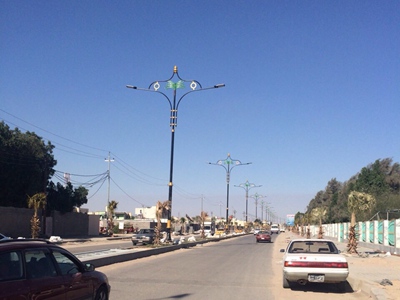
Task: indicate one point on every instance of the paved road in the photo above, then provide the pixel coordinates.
(236, 268)
(233, 269)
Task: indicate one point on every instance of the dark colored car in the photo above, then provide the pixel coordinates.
(263, 236)
(38, 269)
(144, 236)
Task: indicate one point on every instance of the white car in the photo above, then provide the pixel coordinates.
(274, 228)
(314, 260)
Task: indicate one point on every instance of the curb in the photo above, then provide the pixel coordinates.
(366, 287)
(135, 254)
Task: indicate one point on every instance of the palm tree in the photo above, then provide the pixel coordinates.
(357, 202)
(111, 207)
(182, 221)
(318, 213)
(161, 208)
(203, 217)
(36, 202)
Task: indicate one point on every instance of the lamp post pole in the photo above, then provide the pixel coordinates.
(256, 196)
(228, 164)
(154, 87)
(247, 186)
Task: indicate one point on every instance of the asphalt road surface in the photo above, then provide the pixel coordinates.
(237, 268)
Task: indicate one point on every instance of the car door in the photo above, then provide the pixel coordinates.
(13, 283)
(78, 283)
(43, 280)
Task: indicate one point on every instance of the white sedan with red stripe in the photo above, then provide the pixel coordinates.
(314, 260)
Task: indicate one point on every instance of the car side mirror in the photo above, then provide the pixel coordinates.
(282, 250)
(89, 267)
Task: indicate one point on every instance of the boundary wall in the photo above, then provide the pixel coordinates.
(383, 235)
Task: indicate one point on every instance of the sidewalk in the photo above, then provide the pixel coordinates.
(370, 272)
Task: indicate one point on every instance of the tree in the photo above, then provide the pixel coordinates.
(36, 202)
(372, 179)
(203, 217)
(111, 207)
(316, 216)
(26, 165)
(64, 198)
(161, 209)
(357, 202)
(182, 220)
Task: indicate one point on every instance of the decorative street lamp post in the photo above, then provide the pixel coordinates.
(256, 196)
(228, 164)
(247, 186)
(154, 87)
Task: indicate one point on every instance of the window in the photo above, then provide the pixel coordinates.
(313, 247)
(67, 265)
(10, 266)
(39, 264)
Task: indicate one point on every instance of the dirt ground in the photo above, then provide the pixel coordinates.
(320, 291)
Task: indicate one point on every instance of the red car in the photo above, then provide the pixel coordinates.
(263, 236)
(38, 269)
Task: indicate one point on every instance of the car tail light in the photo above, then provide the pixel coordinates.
(316, 264)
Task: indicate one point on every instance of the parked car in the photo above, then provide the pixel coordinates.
(39, 269)
(274, 228)
(4, 237)
(144, 236)
(314, 260)
(263, 236)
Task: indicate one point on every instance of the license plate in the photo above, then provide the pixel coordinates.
(316, 278)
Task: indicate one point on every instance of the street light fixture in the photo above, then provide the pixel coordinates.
(228, 164)
(247, 186)
(256, 196)
(154, 87)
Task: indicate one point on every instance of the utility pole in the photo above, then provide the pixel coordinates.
(109, 160)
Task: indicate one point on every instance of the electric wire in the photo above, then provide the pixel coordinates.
(128, 194)
(130, 171)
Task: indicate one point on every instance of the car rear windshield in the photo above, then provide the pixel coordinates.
(321, 247)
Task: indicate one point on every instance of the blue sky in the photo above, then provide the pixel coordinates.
(312, 93)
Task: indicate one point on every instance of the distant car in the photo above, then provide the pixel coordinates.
(38, 269)
(314, 260)
(4, 237)
(282, 229)
(274, 228)
(256, 231)
(144, 236)
(263, 236)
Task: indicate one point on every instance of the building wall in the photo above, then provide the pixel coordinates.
(70, 224)
(145, 212)
(15, 222)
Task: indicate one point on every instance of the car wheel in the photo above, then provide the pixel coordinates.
(285, 283)
(101, 294)
(134, 244)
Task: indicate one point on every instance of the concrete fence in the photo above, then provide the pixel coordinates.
(382, 235)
